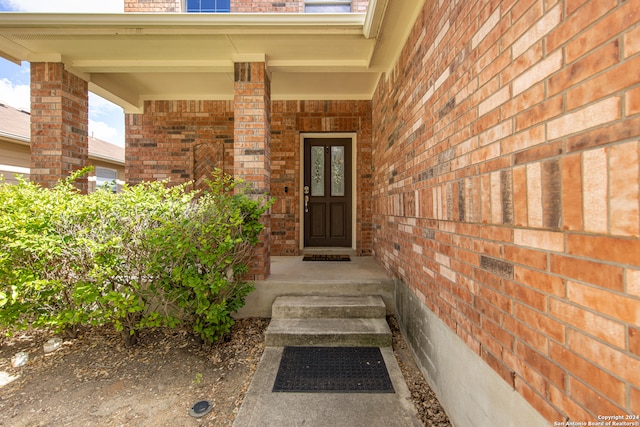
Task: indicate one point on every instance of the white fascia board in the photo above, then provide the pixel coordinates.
(180, 23)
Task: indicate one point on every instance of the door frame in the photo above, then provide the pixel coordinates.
(354, 182)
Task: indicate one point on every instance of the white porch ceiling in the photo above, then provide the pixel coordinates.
(130, 58)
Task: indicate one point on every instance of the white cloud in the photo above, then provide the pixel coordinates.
(105, 132)
(99, 106)
(67, 6)
(17, 96)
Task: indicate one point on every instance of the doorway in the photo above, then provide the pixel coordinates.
(327, 192)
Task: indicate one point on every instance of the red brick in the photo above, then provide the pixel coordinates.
(541, 363)
(606, 134)
(632, 101)
(525, 256)
(633, 282)
(623, 198)
(604, 275)
(577, 22)
(525, 333)
(536, 31)
(496, 364)
(590, 65)
(540, 322)
(611, 81)
(615, 22)
(526, 373)
(611, 359)
(594, 190)
(539, 403)
(541, 113)
(598, 326)
(619, 250)
(594, 115)
(632, 42)
(520, 214)
(634, 341)
(526, 295)
(538, 72)
(539, 239)
(605, 302)
(534, 195)
(541, 281)
(572, 192)
(635, 400)
(588, 398)
(498, 333)
(604, 383)
(566, 405)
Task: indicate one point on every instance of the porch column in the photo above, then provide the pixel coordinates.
(59, 124)
(252, 148)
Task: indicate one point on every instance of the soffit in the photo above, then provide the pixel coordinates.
(130, 58)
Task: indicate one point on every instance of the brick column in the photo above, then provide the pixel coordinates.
(59, 124)
(252, 147)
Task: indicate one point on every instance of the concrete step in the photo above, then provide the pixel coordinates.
(328, 307)
(332, 332)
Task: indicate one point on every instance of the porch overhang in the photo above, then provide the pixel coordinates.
(130, 58)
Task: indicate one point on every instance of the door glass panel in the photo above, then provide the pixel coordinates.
(337, 171)
(317, 171)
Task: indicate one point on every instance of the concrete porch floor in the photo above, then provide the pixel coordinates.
(290, 275)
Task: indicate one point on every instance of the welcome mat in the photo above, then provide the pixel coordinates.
(320, 257)
(333, 370)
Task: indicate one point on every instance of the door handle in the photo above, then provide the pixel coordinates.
(306, 204)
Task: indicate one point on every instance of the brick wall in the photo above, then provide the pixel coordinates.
(266, 6)
(506, 191)
(252, 148)
(172, 139)
(59, 124)
(147, 6)
(288, 120)
(359, 6)
(237, 6)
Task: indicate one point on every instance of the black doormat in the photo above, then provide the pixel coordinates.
(333, 370)
(319, 257)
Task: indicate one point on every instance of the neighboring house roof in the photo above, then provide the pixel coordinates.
(15, 125)
(129, 58)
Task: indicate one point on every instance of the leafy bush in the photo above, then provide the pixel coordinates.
(151, 255)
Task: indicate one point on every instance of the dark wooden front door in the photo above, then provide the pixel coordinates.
(327, 192)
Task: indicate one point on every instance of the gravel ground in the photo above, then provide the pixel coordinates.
(93, 380)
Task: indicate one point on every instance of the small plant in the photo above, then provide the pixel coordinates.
(198, 379)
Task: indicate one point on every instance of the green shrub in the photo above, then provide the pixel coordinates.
(151, 255)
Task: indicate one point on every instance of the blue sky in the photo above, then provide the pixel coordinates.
(106, 120)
